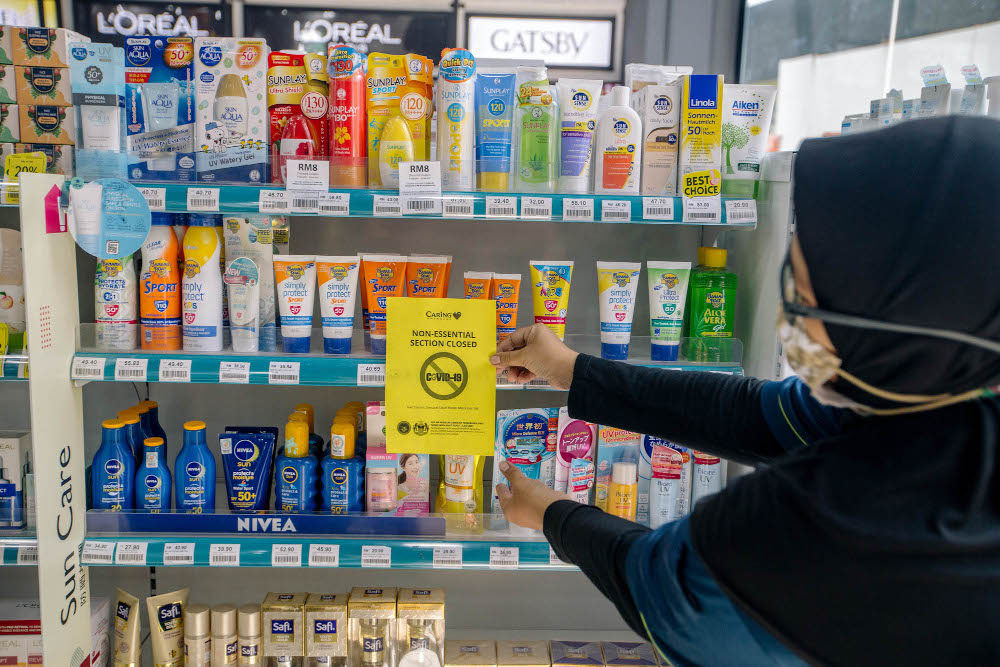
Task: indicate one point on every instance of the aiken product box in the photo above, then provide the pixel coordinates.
(47, 124)
(44, 47)
(8, 86)
(10, 124)
(420, 626)
(21, 632)
(371, 627)
(326, 625)
(700, 156)
(658, 108)
(576, 654)
(297, 102)
(230, 88)
(43, 85)
(470, 653)
(629, 654)
(58, 159)
(160, 108)
(282, 619)
(15, 461)
(516, 653)
(6, 45)
(614, 445)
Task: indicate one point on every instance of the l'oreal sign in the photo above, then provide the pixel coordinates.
(562, 42)
(121, 21)
(359, 34)
(113, 22)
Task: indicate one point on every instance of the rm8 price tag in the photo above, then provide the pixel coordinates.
(130, 370)
(203, 199)
(286, 555)
(224, 555)
(504, 558)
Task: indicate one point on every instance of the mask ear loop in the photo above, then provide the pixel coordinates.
(923, 403)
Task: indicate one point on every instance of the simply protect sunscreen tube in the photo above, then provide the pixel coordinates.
(617, 283)
(295, 280)
(668, 288)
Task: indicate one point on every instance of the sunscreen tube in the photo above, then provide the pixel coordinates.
(338, 290)
(550, 282)
(456, 118)
(709, 476)
(494, 129)
(526, 454)
(427, 276)
(581, 480)
(617, 283)
(668, 288)
(385, 276)
(478, 284)
(506, 291)
(166, 624)
(128, 647)
(746, 122)
(243, 283)
(295, 280)
(578, 102)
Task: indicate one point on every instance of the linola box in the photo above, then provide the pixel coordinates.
(658, 108)
(701, 147)
(282, 620)
(231, 92)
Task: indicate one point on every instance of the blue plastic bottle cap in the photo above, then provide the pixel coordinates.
(664, 352)
(297, 345)
(614, 351)
(337, 345)
(378, 345)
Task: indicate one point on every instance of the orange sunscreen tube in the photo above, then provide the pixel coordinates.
(385, 276)
(427, 276)
(477, 284)
(550, 283)
(506, 291)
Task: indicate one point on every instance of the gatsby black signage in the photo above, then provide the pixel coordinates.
(112, 23)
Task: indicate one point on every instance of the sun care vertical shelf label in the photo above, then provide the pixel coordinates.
(234, 372)
(447, 558)
(501, 207)
(203, 199)
(658, 208)
(283, 372)
(324, 555)
(178, 553)
(286, 555)
(376, 555)
(741, 211)
(616, 210)
(130, 370)
(335, 204)
(420, 187)
(273, 201)
(577, 209)
(98, 553)
(87, 368)
(504, 558)
(385, 206)
(458, 206)
(536, 208)
(371, 375)
(224, 555)
(155, 197)
(175, 370)
(131, 553)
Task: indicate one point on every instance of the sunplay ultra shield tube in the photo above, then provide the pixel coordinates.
(243, 284)
(617, 283)
(578, 102)
(338, 290)
(128, 647)
(668, 287)
(295, 280)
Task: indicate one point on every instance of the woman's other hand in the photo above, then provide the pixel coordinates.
(536, 352)
(525, 501)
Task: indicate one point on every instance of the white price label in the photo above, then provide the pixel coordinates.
(458, 207)
(385, 206)
(175, 370)
(283, 372)
(99, 553)
(224, 555)
(155, 197)
(420, 187)
(324, 555)
(657, 208)
(741, 211)
(581, 210)
(376, 555)
(447, 557)
(131, 553)
(87, 368)
(504, 558)
(305, 201)
(286, 555)
(371, 375)
(27, 555)
(307, 175)
(203, 199)
(273, 201)
(554, 559)
(702, 209)
(536, 208)
(130, 370)
(234, 372)
(616, 210)
(501, 207)
(178, 553)
(335, 203)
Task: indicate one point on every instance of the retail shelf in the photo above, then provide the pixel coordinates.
(359, 369)
(18, 547)
(14, 367)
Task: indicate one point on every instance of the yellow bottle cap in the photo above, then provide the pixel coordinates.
(701, 255)
(112, 423)
(307, 410)
(355, 405)
(715, 258)
(298, 417)
(139, 409)
(153, 442)
(149, 404)
(296, 438)
(194, 426)
(128, 417)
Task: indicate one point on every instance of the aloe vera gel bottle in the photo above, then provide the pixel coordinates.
(711, 304)
(537, 126)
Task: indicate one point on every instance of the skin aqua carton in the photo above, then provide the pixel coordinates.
(701, 147)
(371, 627)
(521, 439)
(420, 627)
(576, 654)
(523, 653)
(45, 47)
(614, 445)
(97, 80)
(230, 91)
(160, 108)
(283, 621)
(326, 626)
(470, 653)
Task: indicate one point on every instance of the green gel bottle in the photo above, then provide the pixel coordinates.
(711, 303)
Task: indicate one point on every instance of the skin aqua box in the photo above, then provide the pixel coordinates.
(282, 618)
(629, 654)
(420, 626)
(576, 654)
(614, 445)
(231, 93)
(160, 108)
(8, 86)
(326, 625)
(701, 147)
(43, 47)
(371, 627)
(516, 653)
(470, 653)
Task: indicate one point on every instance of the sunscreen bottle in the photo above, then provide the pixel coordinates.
(618, 147)
(624, 483)
(159, 288)
(456, 100)
(315, 441)
(154, 421)
(395, 146)
(133, 433)
(152, 479)
(113, 470)
(202, 286)
(194, 472)
(115, 303)
(230, 108)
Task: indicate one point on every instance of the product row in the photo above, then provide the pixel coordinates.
(638, 477)
(217, 281)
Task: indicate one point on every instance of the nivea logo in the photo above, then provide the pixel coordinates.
(621, 127)
(282, 627)
(325, 627)
(244, 450)
(152, 481)
(193, 469)
(79, 52)
(289, 474)
(138, 54)
(113, 467)
(210, 55)
(339, 476)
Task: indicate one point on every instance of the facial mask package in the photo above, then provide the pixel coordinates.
(97, 79)
(8, 91)
(41, 47)
(614, 445)
(231, 93)
(160, 108)
(520, 439)
(43, 85)
(44, 124)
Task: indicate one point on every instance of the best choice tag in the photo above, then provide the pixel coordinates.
(420, 187)
(307, 175)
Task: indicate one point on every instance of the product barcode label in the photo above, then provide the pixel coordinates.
(175, 370)
(657, 208)
(131, 553)
(335, 203)
(501, 207)
(155, 197)
(458, 207)
(130, 370)
(537, 382)
(27, 555)
(87, 368)
(224, 555)
(178, 553)
(100, 553)
(554, 559)
(305, 202)
(447, 557)
(371, 375)
(376, 555)
(616, 210)
(286, 555)
(504, 558)
(283, 372)
(273, 201)
(324, 555)
(702, 209)
(578, 209)
(234, 372)
(203, 199)
(385, 206)
(421, 205)
(538, 208)
(741, 210)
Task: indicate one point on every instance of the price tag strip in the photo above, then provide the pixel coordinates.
(27, 555)
(88, 368)
(155, 197)
(175, 370)
(741, 211)
(130, 370)
(536, 208)
(286, 555)
(335, 204)
(501, 207)
(371, 375)
(616, 210)
(658, 208)
(386, 206)
(234, 372)
(224, 555)
(178, 553)
(578, 210)
(504, 558)
(98, 553)
(447, 558)
(273, 201)
(376, 555)
(283, 372)
(203, 199)
(131, 553)
(324, 555)
(458, 207)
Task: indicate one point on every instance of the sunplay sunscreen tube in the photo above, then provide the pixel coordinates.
(578, 102)
(668, 288)
(295, 280)
(338, 290)
(550, 282)
(494, 129)
(456, 118)
(128, 648)
(426, 276)
(617, 283)
(477, 284)
(506, 291)
(385, 276)
(348, 116)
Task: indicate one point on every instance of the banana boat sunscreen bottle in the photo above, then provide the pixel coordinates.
(160, 288)
(201, 286)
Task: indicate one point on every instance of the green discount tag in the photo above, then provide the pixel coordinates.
(14, 164)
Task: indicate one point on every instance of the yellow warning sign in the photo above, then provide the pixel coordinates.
(440, 389)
